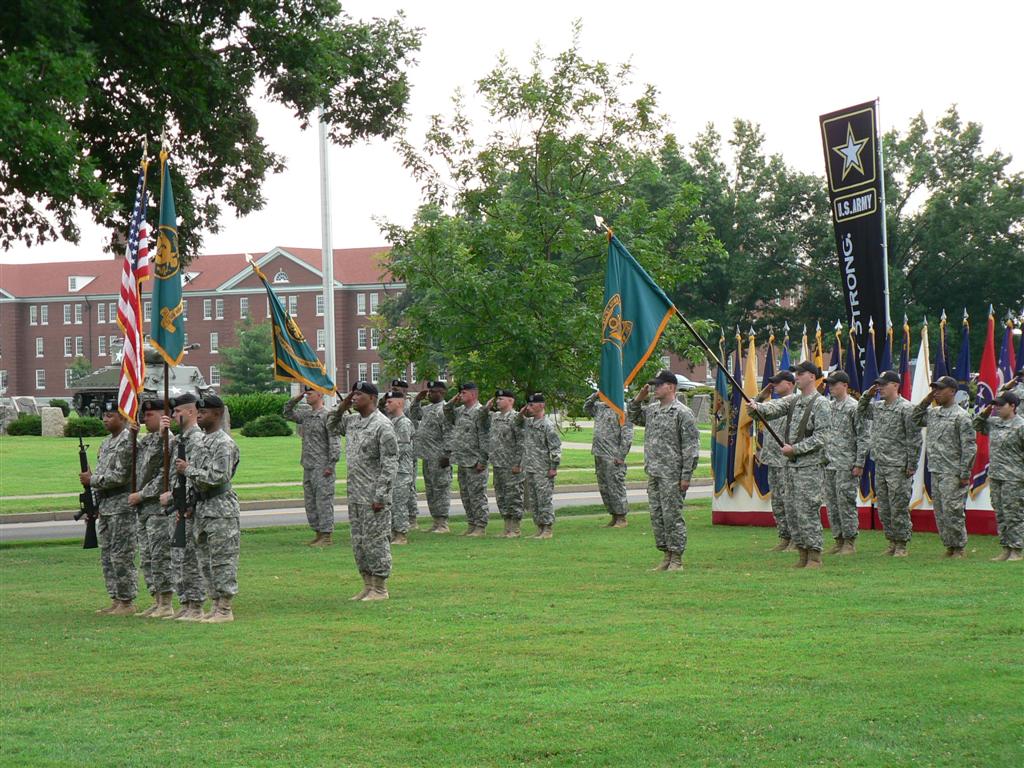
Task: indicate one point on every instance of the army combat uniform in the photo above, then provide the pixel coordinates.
(895, 446)
(405, 478)
(951, 447)
(431, 445)
(770, 455)
(320, 451)
(117, 526)
(155, 524)
(845, 449)
(542, 452)
(468, 449)
(190, 577)
(1006, 478)
(610, 449)
(505, 450)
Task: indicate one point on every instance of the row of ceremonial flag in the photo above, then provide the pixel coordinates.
(737, 437)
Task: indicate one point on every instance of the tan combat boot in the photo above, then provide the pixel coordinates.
(508, 524)
(891, 550)
(663, 565)
(675, 561)
(322, 540)
(316, 540)
(366, 586)
(514, 531)
(221, 613)
(1004, 555)
(164, 609)
(193, 611)
(837, 547)
(399, 538)
(804, 554)
(619, 521)
(124, 608)
(900, 549)
(1015, 554)
(791, 547)
(546, 532)
(182, 608)
(440, 526)
(114, 603)
(849, 547)
(957, 553)
(813, 558)
(378, 589)
(153, 607)
(782, 546)
(477, 531)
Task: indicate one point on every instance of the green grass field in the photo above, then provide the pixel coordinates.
(544, 653)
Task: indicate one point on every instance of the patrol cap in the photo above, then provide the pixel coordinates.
(806, 367)
(467, 385)
(399, 383)
(838, 377)
(944, 382)
(365, 387)
(186, 399)
(208, 402)
(504, 393)
(664, 377)
(437, 384)
(1007, 398)
(888, 377)
(536, 397)
(783, 376)
(151, 405)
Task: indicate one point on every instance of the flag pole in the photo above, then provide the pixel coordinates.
(328, 254)
(885, 237)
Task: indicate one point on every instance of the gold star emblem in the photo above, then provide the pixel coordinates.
(850, 152)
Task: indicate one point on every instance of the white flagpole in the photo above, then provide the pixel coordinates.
(327, 254)
(885, 236)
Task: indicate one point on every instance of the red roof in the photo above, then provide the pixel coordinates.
(352, 266)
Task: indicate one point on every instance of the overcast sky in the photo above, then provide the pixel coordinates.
(777, 64)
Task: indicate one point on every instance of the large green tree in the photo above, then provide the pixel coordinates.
(83, 81)
(249, 365)
(503, 266)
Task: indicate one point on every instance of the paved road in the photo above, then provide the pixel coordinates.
(68, 529)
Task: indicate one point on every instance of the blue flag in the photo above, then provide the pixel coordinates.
(941, 367)
(720, 441)
(867, 480)
(851, 367)
(963, 363)
(761, 471)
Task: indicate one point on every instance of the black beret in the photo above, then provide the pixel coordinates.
(392, 394)
(838, 377)
(209, 401)
(536, 397)
(664, 377)
(308, 389)
(109, 407)
(504, 393)
(944, 382)
(151, 405)
(399, 383)
(888, 377)
(783, 376)
(365, 387)
(186, 399)
(1007, 398)
(438, 384)
(806, 367)
(466, 385)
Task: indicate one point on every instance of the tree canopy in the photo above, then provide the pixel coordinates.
(249, 365)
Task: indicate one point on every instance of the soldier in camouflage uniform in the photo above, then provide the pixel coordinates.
(505, 449)
(895, 446)
(1015, 385)
(542, 453)
(806, 430)
(431, 443)
(845, 453)
(951, 446)
(610, 449)
(770, 456)
(1006, 471)
(117, 526)
(411, 509)
(671, 451)
(371, 451)
(469, 453)
(217, 529)
(155, 527)
(320, 454)
(405, 478)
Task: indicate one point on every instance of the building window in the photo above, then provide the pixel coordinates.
(374, 338)
(44, 314)
(147, 311)
(214, 376)
(373, 303)
(243, 308)
(67, 314)
(319, 305)
(79, 346)
(214, 343)
(101, 345)
(33, 315)
(3, 382)
(101, 313)
(268, 306)
(69, 378)
(112, 311)
(68, 349)
(361, 338)
(360, 303)
(78, 314)
(115, 345)
(293, 306)
(375, 372)
(184, 339)
(281, 277)
(665, 362)
(40, 378)
(321, 339)
(39, 346)
(207, 309)
(412, 373)
(184, 309)
(220, 309)
(362, 371)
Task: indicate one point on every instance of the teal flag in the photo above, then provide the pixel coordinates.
(294, 359)
(168, 336)
(636, 312)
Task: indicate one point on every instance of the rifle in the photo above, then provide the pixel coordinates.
(86, 501)
(180, 496)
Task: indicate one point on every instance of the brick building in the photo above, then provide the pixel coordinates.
(53, 313)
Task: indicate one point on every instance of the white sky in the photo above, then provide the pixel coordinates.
(772, 63)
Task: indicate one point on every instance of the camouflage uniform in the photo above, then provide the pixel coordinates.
(542, 451)
(117, 526)
(846, 448)
(951, 446)
(610, 449)
(431, 443)
(405, 479)
(217, 532)
(371, 452)
(805, 476)
(320, 450)
(469, 448)
(770, 455)
(155, 525)
(895, 447)
(671, 451)
(1006, 475)
(505, 449)
(191, 577)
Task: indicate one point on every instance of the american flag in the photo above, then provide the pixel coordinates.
(129, 308)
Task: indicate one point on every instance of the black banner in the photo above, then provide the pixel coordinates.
(849, 138)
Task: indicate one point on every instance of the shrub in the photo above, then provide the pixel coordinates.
(245, 408)
(62, 404)
(271, 425)
(26, 424)
(84, 426)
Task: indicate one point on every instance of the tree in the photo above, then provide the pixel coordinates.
(503, 267)
(82, 83)
(249, 366)
(80, 367)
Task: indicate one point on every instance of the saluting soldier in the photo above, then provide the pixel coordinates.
(117, 526)
(610, 448)
(895, 446)
(217, 525)
(845, 453)
(671, 452)
(1006, 470)
(431, 443)
(320, 453)
(469, 453)
(405, 478)
(542, 453)
(951, 445)
(505, 449)
(155, 527)
(808, 418)
(401, 386)
(371, 452)
(770, 456)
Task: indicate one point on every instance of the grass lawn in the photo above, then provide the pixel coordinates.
(545, 653)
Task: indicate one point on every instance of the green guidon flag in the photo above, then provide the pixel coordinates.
(636, 312)
(294, 359)
(168, 336)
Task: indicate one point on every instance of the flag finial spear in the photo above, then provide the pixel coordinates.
(785, 327)
(871, 323)
(839, 326)
(991, 309)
